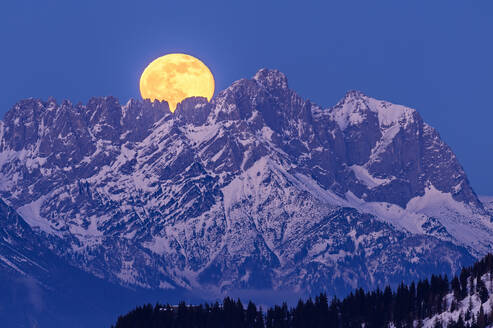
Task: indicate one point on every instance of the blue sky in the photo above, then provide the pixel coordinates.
(435, 56)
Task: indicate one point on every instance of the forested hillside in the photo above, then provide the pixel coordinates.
(463, 301)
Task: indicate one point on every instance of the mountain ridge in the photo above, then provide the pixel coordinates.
(258, 188)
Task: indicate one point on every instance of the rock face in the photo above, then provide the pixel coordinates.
(258, 189)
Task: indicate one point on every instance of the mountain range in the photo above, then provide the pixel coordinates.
(258, 190)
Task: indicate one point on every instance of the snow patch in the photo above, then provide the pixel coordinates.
(199, 134)
(31, 214)
(369, 180)
(487, 202)
(466, 224)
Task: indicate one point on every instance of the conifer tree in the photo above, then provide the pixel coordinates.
(481, 321)
(490, 314)
(482, 290)
(471, 285)
(437, 323)
(251, 314)
(259, 321)
(455, 284)
(460, 322)
(467, 317)
(464, 274)
(453, 305)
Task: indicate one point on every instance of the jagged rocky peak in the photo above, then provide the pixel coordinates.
(356, 108)
(194, 110)
(265, 98)
(271, 79)
(240, 100)
(103, 118)
(395, 155)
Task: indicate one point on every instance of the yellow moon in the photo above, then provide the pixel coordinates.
(175, 77)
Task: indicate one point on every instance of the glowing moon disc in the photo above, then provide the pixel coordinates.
(175, 77)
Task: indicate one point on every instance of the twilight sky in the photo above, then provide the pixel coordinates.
(435, 56)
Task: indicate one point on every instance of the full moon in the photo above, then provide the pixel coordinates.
(175, 77)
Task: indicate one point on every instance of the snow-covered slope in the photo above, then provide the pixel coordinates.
(487, 202)
(256, 189)
(39, 289)
(467, 309)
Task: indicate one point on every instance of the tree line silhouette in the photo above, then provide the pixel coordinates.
(406, 306)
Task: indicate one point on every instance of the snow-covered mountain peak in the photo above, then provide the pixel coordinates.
(356, 108)
(271, 79)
